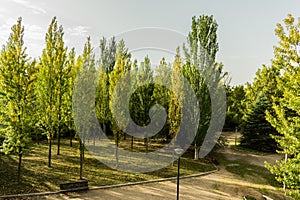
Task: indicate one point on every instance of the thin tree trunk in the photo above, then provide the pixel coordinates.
(131, 142)
(117, 149)
(19, 168)
(37, 138)
(124, 136)
(83, 142)
(146, 144)
(71, 137)
(58, 140)
(196, 155)
(81, 149)
(49, 154)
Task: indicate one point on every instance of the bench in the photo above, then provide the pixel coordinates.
(72, 186)
(266, 197)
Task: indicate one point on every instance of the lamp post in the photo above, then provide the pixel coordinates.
(178, 151)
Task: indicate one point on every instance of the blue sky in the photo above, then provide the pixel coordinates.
(246, 28)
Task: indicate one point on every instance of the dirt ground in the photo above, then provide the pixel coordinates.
(221, 185)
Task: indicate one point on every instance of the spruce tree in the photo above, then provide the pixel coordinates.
(255, 129)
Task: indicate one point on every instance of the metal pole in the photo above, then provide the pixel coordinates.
(178, 174)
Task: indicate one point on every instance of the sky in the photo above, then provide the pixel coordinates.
(245, 32)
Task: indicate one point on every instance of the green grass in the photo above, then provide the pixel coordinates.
(247, 170)
(37, 177)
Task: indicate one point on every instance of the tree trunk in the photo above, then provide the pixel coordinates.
(37, 138)
(58, 141)
(83, 142)
(49, 154)
(196, 155)
(131, 142)
(146, 144)
(19, 168)
(71, 137)
(117, 149)
(124, 136)
(81, 150)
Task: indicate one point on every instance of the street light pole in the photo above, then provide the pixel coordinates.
(178, 151)
(178, 175)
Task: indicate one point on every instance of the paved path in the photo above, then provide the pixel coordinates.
(221, 185)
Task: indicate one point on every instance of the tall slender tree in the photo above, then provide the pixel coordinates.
(17, 74)
(68, 117)
(84, 87)
(122, 65)
(143, 97)
(176, 100)
(200, 55)
(50, 83)
(107, 63)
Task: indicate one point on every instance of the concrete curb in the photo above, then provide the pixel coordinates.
(152, 181)
(113, 186)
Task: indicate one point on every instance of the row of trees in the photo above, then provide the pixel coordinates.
(36, 94)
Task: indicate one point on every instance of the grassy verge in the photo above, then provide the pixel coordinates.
(37, 177)
(257, 175)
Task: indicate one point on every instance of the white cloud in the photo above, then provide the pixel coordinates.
(33, 36)
(6, 29)
(81, 31)
(34, 8)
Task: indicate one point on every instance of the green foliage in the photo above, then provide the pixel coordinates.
(235, 107)
(50, 80)
(200, 55)
(107, 63)
(143, 97)
(286, 115)
(17, 74)
(122, 65)
(176, 101)
(162, 96)
(255, 129)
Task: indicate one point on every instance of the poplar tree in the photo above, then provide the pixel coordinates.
(68, 116)
(162, 95)
(176, 100)
(17, 74)
(85, 85)
(122, 65)
(200, 55)
(51, 82)
(143, 97)
(106, 66)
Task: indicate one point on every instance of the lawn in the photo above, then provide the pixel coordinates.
(37, 177)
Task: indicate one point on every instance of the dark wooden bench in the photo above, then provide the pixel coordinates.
(74, 185)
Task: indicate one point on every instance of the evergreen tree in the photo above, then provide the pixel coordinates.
(17, 74)
(256, 130)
